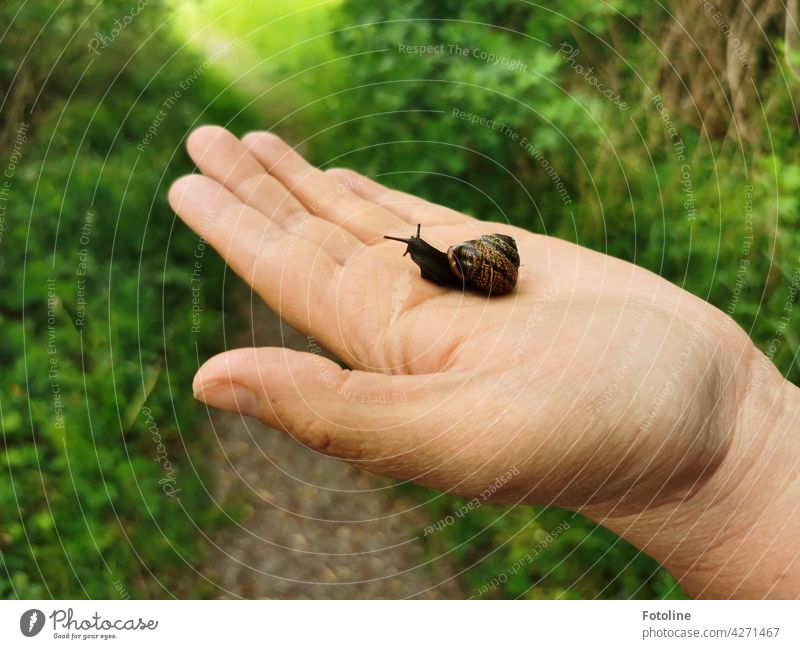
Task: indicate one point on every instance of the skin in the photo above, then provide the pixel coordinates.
(605, 388)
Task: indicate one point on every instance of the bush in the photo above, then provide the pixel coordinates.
(104, 490)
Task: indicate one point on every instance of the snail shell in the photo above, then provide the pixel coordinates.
(489, 263)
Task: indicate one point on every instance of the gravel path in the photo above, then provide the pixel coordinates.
(314, 527)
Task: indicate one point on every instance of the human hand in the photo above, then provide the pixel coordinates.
(602, 387)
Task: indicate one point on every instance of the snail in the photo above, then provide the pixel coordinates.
(489, 264)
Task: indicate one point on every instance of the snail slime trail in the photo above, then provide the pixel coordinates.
(488, 264)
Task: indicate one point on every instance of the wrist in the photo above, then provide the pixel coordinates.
(757, 504)
(738, 533)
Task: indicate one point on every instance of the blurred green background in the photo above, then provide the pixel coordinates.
(98, 338)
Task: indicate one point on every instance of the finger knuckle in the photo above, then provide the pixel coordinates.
(253, 185)
(230, 221)
(341, 172)
(323, 437)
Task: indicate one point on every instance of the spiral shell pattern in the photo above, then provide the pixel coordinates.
(489, 263)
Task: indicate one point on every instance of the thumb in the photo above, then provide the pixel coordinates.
(394, 424)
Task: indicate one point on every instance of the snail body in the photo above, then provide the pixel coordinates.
(489, 264)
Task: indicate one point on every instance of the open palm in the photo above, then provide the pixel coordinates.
(594, 384)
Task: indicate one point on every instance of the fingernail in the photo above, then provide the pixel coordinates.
(233, 397)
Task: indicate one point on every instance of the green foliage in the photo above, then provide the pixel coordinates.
(98, 343)
(285, 60)
(540, 553)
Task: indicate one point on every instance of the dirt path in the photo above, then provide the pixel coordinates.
(314, 527)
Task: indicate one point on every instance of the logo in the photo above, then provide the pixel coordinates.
(31, 622)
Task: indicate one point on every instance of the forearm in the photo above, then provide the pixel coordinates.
(738, 535)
